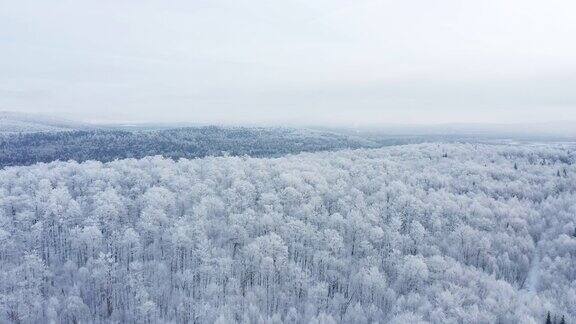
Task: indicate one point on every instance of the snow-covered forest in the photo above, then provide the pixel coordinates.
(107, 145)
(192, 142)
(440, 233)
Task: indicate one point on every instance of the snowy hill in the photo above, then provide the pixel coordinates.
(193, 142)
(13, 122)
(563, 131)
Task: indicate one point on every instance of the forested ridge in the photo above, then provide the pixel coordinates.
(440, 233)
(107, 145)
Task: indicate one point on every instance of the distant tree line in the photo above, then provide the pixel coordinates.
(192, 142)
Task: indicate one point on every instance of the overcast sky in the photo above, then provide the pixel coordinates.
(290, 61)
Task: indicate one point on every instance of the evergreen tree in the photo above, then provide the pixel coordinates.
(548, 319)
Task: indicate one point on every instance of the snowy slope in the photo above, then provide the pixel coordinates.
(14, 122)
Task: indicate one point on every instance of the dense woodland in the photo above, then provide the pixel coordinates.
(192, 142)
(107, 145)
(441, 233)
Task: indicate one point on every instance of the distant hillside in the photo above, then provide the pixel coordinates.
(14, 122)
(564, 130)
(192, 142)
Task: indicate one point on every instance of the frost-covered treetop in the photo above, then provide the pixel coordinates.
(441, 233)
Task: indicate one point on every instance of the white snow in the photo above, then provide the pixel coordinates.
(533, 279)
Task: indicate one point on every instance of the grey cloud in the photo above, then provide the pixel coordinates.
(260, 61)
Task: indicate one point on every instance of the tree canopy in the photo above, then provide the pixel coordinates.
(442, 233)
